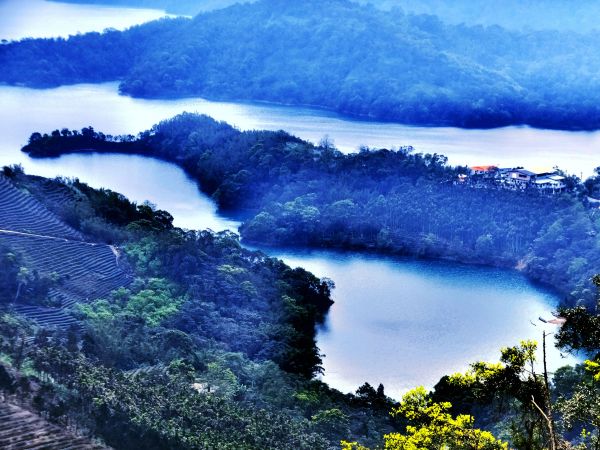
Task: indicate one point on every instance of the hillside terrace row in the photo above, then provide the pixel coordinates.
(549, 181)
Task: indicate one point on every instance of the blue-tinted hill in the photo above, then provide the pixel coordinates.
(580, 15)
(335, 54)
(511, 14)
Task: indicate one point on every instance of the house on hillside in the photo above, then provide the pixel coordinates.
(550, 183)
(519, 177)
(502, 173)
(485, 171)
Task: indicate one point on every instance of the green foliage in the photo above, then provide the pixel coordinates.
(432, 427)
(220, 381)
(581, 409)
(152, 301)
(331, 422)
(9, 271)
(157, 409)
(19, 283)
(510, 387)
(581, 330)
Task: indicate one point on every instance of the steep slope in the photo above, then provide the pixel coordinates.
(85, 271)
(20, 212)
(23, 430)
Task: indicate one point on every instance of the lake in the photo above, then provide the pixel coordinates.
(397, 321)
(101, 106)
(405, 322)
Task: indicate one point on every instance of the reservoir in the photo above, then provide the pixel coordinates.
(102, 107)
(401, 322)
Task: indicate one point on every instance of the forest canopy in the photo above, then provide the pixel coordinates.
(564, 15)
(211, 346)
(414, 69)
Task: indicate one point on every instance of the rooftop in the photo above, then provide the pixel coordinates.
(484, 168)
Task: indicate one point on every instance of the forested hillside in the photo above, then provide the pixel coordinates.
(335, 54)
(564, 15)
(388, 201)
(209, 346)
(212, 347)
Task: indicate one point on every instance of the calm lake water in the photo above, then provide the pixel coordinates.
(101, 105)
(405, 322)
(396, 321)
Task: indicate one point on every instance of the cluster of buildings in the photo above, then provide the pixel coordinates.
(517, 178)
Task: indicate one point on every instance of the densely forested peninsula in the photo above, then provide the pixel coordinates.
(353, 59)
(392, 201)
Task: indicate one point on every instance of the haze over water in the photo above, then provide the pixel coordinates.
(21, 19)
(81, 105)
(397, 321)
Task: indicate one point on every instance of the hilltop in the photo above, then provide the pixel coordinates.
(562, 15)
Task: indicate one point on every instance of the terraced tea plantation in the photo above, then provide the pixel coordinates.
(23, 213)
(23, 430)
(86, 271)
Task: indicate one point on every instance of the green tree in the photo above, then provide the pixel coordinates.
(432, 427)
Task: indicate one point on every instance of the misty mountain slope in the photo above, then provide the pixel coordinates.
(580, 15)
(511, 14)
(338, 55)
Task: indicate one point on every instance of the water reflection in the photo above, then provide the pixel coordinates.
(405, 322)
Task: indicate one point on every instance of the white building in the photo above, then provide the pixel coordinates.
(550, 182)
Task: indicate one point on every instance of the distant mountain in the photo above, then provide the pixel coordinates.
(183, 7)
(565, 15)
(580, 15)
(335, 54)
